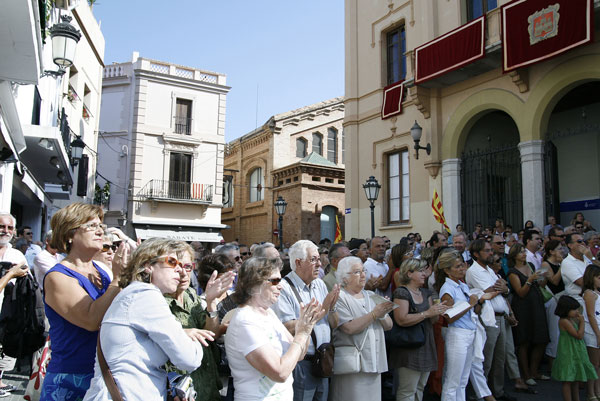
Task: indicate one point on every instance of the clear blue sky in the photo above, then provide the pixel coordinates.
(292, 49)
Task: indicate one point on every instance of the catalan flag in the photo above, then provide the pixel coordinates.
(338, 231)
(438, 210)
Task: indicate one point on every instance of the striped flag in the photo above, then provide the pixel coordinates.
(438, 210)
(338, 231)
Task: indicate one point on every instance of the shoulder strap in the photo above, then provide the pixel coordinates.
(297, 294)
(412, 308)
(109, 380)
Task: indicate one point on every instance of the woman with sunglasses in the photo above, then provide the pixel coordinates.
(139, 334)
(77, 293)
(193, 311)
(105, 256)
(261, 351)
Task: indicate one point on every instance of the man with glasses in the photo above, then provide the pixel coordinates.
(33, 249)
(573, 266)
(592, 240)
(245, 252)
(482, 277)
(232, 252)
(498, 247)
(304, 277)
(533, 242)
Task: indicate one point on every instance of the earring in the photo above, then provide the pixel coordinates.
(70, 241)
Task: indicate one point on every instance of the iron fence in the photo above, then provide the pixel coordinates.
(176, 190)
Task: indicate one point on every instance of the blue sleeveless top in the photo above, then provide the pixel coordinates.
(73, 347)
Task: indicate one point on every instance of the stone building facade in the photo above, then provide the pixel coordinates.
(503, 144)
(298, 155)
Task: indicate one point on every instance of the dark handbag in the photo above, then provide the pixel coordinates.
(406, 337)
(322, 361)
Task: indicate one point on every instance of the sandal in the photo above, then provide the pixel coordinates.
(528, 390)
(530, 382)
(542, 377)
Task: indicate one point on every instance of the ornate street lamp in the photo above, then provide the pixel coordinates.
(64, 42)
(280, 206)
(372, 188)
(416, 131)
(77, 150)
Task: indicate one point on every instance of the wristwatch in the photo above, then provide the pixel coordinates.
(213, 314)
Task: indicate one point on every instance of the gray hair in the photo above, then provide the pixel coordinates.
(588, 236)
(48, 236)
(461, 234)
(6, 214)
(299, 251)
(260, 250)
(226, 248)
(345, 268)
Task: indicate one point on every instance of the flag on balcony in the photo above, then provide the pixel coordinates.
(338, 231)
(535, 30)
(438, 210)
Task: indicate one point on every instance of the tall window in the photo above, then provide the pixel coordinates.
(301, 145)
(257, 183)
(183, 116)
(476, 8)
(332, 144)
(180, 175)
(396, 58)
(399, 188)
(317, 143)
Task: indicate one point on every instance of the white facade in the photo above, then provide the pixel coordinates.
(33, 125)
(161, 148)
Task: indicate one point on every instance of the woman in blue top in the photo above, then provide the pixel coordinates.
(460, 335)
(77, 293)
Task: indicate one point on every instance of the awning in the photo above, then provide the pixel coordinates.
(202, 236)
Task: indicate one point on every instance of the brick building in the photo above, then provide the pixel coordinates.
(298, 155)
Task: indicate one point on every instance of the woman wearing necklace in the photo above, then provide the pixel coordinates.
(361, 323)
(262, 353)
(591, 336)
(414, 365)
(531, 334)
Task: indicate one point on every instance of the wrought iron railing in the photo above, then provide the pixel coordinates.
(183, 125)
(65, 131)
(176, 190)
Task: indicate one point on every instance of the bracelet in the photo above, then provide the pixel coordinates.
(373, 316)
(528, 283)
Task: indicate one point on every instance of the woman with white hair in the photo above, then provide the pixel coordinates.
(361, 323)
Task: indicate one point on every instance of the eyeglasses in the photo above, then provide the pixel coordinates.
(359, 272)
(5, 227)
(579, 241)
(274, 281)
(173, 263)
(238, 258)
(93, 226)
(313, 260)
(29, 233)
(106, 247)
(245, 254)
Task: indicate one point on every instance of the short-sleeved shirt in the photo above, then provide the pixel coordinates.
(534, 258)
(571, 270)
(483, 278)
(459, 292)
(287, 307)
(374, 268)
(248, 331)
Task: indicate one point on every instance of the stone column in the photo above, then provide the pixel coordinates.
(451, 192)
(532, 171)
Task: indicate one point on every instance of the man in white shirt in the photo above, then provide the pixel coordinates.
(46, 260)
(378, 272)
(573, 266)
(482, 277)
(533, 242)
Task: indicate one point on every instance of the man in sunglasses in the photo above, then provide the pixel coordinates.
(232, 252)
(245, 252)
(573, 266)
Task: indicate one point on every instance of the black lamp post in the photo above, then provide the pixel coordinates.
(280, 206)
(372, 188)
(64, 42)
(416, 131)
(77, 150)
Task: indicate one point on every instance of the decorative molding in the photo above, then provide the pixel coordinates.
(433, 168)
(520, 78)
(420, 97)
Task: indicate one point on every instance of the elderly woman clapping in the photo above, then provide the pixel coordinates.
(361, 324)
(139, 334)
(262, 353)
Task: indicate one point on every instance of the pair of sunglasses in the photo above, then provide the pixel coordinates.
(274, 281)
(173, 263)
(106, 247)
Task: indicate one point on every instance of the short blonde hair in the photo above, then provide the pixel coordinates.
(146, 253)
(68, 219)
(409, 266)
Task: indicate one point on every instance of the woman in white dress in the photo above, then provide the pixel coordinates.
(361, 324)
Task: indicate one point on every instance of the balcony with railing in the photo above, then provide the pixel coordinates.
(176, 191)
(183, 125)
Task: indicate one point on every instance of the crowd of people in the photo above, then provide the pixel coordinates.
(345, 321)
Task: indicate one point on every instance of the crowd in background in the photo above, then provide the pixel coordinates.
(253, 322)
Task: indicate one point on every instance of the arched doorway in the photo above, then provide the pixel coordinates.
(572, 164)
(491, 172)
(328, 222)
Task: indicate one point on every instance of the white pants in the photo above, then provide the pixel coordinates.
(458, 356)
(410, 384)
(553, 331)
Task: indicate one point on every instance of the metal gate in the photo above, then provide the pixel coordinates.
(491, 187)
(551, 180)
